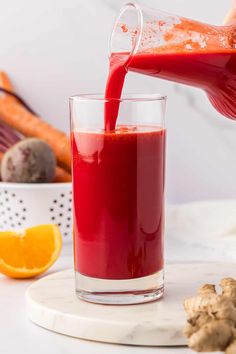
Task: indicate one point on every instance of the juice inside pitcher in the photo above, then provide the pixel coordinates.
(170, 47)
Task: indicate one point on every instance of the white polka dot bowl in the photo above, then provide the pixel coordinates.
(24, 205)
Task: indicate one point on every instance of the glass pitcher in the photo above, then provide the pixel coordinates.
(175, 48)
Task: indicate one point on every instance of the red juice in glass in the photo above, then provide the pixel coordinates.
(118, 192)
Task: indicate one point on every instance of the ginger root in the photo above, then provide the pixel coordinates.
(228, 286)
(212, 318)
(206, 295)
(231, 349)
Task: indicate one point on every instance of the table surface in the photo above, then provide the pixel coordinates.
(18, 334)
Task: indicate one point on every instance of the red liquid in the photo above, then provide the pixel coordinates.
(190, 53)
(214, 72)
(118, 174)
(118, 181)
(114, 85)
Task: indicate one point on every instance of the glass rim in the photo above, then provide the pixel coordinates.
(140, 24)
(99, 97)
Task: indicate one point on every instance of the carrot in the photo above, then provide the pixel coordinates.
(13, 113)
(62, 175)
(5, 82)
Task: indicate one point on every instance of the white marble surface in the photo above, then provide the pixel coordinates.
(51, 303)
(55, 48)
(18, 334)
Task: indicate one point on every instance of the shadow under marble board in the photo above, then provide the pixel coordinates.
(52, 304)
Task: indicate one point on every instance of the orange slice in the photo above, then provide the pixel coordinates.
(30, 252)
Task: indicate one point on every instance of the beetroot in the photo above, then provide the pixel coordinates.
(29, 161)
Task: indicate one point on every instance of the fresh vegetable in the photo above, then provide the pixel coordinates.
(5, 82)
(8, 137)
(212, 318)
(29, 161)
(62, 175)
(14, 114)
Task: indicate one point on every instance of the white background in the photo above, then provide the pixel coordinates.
(55, 48)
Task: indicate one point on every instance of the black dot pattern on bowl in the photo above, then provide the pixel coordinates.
(61, 213)
(13, 212)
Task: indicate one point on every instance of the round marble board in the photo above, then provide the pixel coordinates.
(51, 303)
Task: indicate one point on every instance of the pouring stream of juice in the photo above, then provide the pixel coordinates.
(207, 61)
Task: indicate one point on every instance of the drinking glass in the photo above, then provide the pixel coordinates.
(118, 198)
